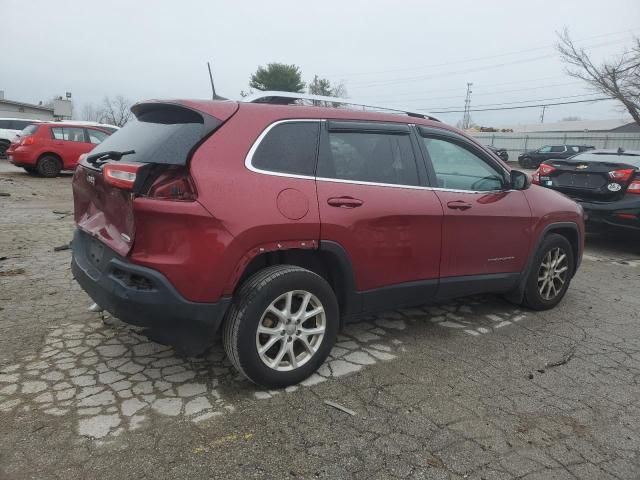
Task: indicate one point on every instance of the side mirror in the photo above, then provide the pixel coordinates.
(519, 180)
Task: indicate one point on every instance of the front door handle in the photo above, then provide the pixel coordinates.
(344, 202)
(459, 205)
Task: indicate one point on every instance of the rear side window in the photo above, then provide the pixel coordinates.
(161, 134)
(557, 149)
(5, 124)
(19, 124)
(69, 134)
(289, 147)
(370, 157)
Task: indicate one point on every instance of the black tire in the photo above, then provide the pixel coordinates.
(504, 156)
(249, 307)
(533, 297)
(526, 162)
(49, 166)
(30, 170)
(3, 149)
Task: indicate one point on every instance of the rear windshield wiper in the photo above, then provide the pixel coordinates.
(110, 155)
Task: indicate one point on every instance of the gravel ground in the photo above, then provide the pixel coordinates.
(475, 388)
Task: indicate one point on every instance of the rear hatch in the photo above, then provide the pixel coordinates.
(593, 176)
(157, 144)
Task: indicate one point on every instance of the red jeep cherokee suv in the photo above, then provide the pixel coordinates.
(277, 223)
(48, 148)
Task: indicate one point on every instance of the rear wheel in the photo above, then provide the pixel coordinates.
(49, 166)
(281, 326)
(551, 273)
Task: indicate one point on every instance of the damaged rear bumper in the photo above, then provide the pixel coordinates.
(142, 296)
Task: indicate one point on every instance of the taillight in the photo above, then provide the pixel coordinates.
(622, 175)
(543, 170)
(121, 175)
(175, 183)
(29, 140)
(634, 187)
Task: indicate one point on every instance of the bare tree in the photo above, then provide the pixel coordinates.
(116, 111)
(618, 78)
(91, 113)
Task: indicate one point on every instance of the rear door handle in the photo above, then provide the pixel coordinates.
(344, 202)
(459, 205)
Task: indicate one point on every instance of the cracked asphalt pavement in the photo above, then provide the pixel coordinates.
(475, 388)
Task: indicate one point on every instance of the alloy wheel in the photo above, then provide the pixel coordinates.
(552, 274)
(291, 330)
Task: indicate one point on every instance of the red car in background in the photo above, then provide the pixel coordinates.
(48, 148)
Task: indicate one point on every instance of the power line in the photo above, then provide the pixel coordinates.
(522, 106)
(518, 101)
(488, 57)
(378, 83)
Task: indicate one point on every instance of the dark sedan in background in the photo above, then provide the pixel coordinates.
(533, 158)
(605, 182)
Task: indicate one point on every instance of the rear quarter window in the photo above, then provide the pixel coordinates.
(289, 147)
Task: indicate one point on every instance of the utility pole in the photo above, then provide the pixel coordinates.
(544, 107)
(466, 118)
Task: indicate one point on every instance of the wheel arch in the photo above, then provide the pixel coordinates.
(50, 154)
(330, 261)
(570, 231)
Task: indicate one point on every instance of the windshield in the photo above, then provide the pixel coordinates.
(609, 157)
(29, 130)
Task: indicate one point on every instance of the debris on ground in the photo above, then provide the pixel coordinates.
(11, 273)
(62, 247)
(340, 407)
(3, 258)
(565, 358)
(61, 212)
(5, 194)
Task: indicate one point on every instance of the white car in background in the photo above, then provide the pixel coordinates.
(9, 129)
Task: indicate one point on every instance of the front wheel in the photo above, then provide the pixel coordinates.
(550, 274)
(281, 326)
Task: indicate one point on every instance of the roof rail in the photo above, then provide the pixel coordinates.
(286, 98)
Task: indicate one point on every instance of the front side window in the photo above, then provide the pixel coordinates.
(370, 157)
(457, 168)
(557, 149)
(545, 149)
(69, 134)
(289, 147)
(96, 136)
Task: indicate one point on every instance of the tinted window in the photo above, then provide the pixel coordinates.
(5, 123)
(289, 148)
(19, 124)
(557, 149)
(629, 159)
(457, 168)
(370, 157)
(574, 149)
(96, 136)
(545, 149)
(70, 134)
(162, 133)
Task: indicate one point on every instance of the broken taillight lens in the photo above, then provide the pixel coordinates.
(121, 175)
(174, 183)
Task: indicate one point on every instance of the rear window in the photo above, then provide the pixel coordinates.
(30, 130)
(613, 157)
(161, 133)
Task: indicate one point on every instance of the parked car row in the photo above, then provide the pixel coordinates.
(533, 158)
(46, 148)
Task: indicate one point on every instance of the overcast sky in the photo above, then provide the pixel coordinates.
(413, 53)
